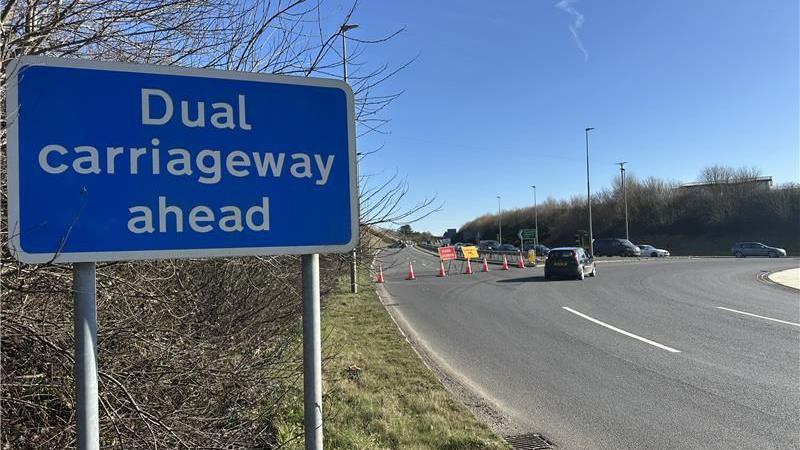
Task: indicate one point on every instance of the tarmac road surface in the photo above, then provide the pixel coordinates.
(661, 353)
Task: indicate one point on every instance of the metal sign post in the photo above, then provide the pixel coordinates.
(85, 319)
(312, 354)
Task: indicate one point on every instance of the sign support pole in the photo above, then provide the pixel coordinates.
(353, 273)
(312, 354)
(85, 319)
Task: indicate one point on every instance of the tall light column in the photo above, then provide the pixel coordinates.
(499, 222)
(624, 196)
(354, 264)
(535, 217)
(589, 194)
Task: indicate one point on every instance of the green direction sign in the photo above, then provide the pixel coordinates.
(527, 234)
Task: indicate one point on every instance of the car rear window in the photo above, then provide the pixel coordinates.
(561, 254)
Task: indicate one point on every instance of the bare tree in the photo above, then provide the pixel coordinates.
(731, 205)
(717, 174)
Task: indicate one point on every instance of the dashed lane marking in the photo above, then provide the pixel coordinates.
(621, 331)
(760, 317)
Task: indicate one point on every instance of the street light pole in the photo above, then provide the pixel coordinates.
(354, 264)
(535, 217)
(343, 31)
(589, 194)
(624, 195)
(499, 222)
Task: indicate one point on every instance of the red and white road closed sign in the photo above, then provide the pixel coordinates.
(447, 253)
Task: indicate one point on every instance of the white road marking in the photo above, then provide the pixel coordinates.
(611, 327)
(760, 317)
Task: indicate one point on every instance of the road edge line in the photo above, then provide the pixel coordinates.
(766, 278)
(500, 419)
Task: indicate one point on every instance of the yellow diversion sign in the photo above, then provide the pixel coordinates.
(470, 252)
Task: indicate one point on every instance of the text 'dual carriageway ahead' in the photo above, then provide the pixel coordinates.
(115, 161)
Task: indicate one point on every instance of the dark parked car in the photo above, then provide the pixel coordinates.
(573, 262)
(742, 249)
(615, 247)
(489, 245)
(541, 249)
(508, 248)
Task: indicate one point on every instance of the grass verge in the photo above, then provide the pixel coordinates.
(378, 394)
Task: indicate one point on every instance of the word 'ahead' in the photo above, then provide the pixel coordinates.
(112, 161)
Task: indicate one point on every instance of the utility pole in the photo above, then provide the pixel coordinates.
(535, 217)
(589, 194)
(354, 266)
(624, 195)
(499, 222)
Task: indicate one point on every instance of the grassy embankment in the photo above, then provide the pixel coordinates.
(392, 400)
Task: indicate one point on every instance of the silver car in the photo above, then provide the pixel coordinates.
(743, 249)
(649, 250)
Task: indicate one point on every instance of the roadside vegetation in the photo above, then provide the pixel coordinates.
(378, 393)
(192, 353)
(699, 220)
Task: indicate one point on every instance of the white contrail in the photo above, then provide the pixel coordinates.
(566, 5)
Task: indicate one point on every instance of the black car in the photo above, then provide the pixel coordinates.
(507, 248)
(541, 249)
(573, 262)
(615, 247)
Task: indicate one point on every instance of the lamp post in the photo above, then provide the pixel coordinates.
(499, 222)
(343, 30)
(535, 217)
(624, 195)
(589, 194)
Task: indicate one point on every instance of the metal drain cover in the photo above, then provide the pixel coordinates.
(528, 442)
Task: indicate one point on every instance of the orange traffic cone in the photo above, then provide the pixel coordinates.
(485, 265)
(410, 275)
(442, 273)
(380, 274)
(505, 263)
(520, 261)
(469, 268)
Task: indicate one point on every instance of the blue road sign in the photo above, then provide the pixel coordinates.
(110, 161)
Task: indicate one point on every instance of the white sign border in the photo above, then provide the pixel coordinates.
(12, 146)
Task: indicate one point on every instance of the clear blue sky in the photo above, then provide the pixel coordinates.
(500, 93)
